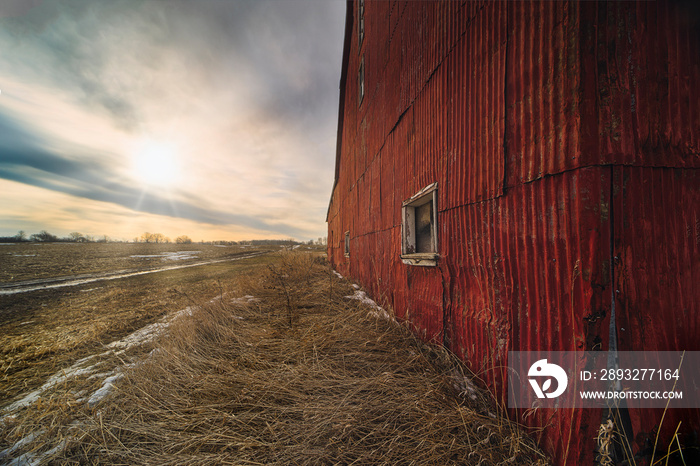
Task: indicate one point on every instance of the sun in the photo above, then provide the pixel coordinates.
(155, 163)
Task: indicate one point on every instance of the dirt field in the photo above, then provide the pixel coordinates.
(31, 261)
(45, 330)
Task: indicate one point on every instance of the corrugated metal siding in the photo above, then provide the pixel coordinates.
(476, 111)
(524, 112)
(543, 91)
(642, 72)
(657, 233)
(525, 273)
(657, 272)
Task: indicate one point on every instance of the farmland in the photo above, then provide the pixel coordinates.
(32, 261)
(271, 359)
(95, 294)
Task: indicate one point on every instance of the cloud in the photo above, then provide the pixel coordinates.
(13, 8)
(246, 90)
(24, 160)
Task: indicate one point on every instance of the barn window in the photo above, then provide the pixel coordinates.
(419, 228)
(347, 244)
(361, 22)
(361, 81)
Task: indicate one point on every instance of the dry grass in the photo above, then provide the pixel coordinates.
(297, 375)
(44, 331)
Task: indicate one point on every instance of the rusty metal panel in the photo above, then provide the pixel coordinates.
(404, 151)
(424, 307)
(430, 121)
(375, 194)
(657, 207)
(389, 208)
(656, 215)
(644, 71)
(543, 90)
(476, 110)
(528, 271)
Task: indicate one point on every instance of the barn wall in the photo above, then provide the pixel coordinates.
(562, 137)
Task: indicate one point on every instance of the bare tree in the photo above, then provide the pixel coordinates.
(21, 235)
(43, 236)
(76, 236)
(147, 238)
(184, 239)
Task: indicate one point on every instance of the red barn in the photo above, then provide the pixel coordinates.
(515, 176)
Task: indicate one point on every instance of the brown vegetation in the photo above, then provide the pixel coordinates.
(284, 369)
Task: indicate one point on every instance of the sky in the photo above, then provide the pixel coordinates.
(211, 119)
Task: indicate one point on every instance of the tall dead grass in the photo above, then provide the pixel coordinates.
(291, 372)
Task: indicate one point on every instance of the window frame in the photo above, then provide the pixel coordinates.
(409, 255)
(361, 22)
(347, 244)
(361, 82)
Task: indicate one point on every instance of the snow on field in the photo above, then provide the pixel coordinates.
(79, 368)
(104, 390)
(83, 367)
(169, 256)
(148, 333)
(247, 299)
(25, 441)
(34, 285)
(377, 310)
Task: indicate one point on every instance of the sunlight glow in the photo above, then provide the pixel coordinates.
(156, 164)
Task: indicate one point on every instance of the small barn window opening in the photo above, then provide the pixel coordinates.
(419, 244)
(361, 22)
(347, 244)
(361, 80)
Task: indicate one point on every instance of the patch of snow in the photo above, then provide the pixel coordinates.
(466, 387)
(337, 274)
(247, 299)
(139, 337)
(356, 286)
(37, 459)
(377, 311)
(73, 371)
(169, 256)
(149, 332)
(24, 255)
(91, 289)
(104, 390)
(21, 443)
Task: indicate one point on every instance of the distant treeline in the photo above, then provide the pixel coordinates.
(45, 237)
(76, 237)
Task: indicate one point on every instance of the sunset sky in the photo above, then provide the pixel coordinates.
(212, 119)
